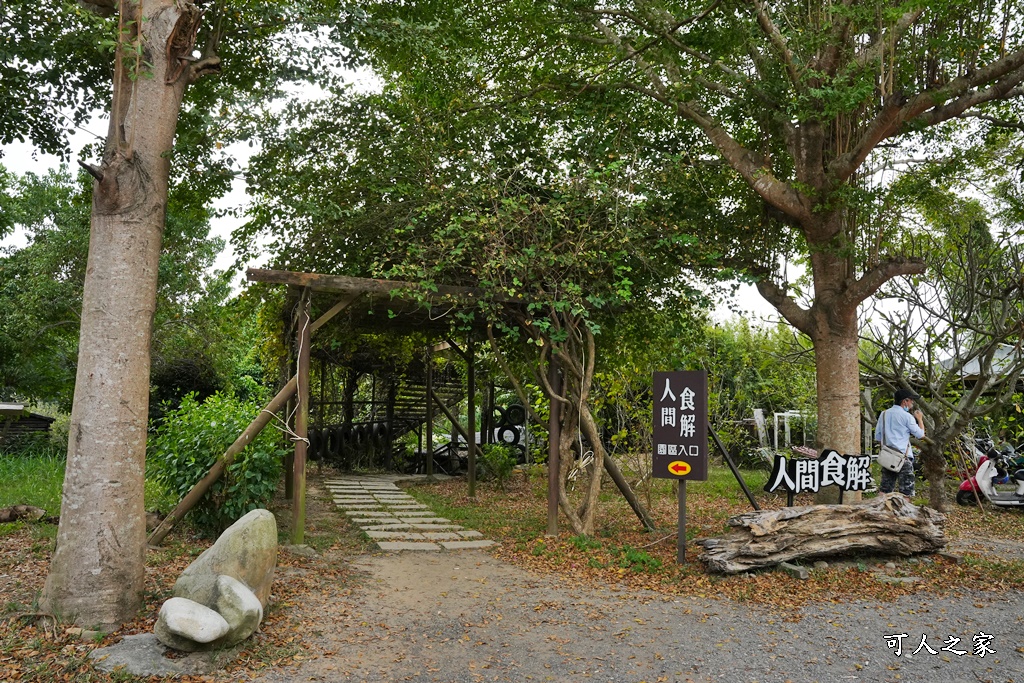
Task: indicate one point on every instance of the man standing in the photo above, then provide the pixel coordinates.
(899, 424)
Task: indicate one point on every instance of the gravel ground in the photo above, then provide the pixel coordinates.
(465, 616)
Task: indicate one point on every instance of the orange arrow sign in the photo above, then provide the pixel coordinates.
(679, 467)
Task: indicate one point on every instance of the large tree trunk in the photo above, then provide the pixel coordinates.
(838, 393)
(96, 574)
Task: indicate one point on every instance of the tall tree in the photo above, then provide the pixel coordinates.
(96, 573)
(956, 337)
(803, 102)
(161, 47)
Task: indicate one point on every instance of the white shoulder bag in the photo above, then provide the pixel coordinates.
(890, 458)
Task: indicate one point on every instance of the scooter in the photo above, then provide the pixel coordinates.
(993, 469)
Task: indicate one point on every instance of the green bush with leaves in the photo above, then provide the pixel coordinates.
(187, 444)
(497, 462)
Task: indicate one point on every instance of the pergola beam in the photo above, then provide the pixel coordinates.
(319, 282)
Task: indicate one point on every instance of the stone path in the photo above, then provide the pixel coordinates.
(394, 519)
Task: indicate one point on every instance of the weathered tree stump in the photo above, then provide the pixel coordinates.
(16, 512)
(889, 524)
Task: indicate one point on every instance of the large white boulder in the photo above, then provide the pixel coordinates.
(187, 625)
(246, 551)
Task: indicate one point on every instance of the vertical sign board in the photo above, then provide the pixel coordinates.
(681, 435)
(681, 425)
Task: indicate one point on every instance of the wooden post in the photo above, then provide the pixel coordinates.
(429, 450)
(471, 413)
(389, 418)
(289, 458)
(455, 423)
(681, 535)
(301, 422)
(554, 431)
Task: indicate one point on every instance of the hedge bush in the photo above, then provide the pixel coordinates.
(188, 442)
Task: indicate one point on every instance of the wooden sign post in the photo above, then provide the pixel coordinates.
(681, 435)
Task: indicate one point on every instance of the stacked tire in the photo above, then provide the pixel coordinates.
(508, 428)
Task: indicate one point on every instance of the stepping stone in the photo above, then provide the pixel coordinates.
(359, 507)
(441, 535)
(396, 535)
(409, 507)
(386, 527)
(407, 545)
(436, 527)
(374, 521)
(369, 513)
(471, 534)
(416, 513)
(425, 520)
(465, 545)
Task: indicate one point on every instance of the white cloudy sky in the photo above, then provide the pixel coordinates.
(23, 158)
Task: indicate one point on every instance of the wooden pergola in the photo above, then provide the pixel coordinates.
(405, 305)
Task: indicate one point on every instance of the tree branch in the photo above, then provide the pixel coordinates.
(776, 295)
(877, 276)
(779, 42)
(874, 51)
(898, 110)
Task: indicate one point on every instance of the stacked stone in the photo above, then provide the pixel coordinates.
(395, 520)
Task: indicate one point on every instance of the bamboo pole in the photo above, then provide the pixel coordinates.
(250, 433)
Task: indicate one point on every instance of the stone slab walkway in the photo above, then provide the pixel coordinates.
(394, 520)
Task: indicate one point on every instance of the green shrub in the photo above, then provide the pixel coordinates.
(187, 444)
(638, 560)
(497, 462)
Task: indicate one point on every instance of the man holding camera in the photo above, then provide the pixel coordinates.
(898, 424)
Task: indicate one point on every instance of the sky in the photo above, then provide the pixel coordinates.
(23, 158)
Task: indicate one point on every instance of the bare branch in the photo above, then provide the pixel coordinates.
(779, 42)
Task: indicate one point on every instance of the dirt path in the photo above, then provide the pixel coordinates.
(465, 616)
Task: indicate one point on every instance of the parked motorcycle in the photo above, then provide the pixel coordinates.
(994, 468)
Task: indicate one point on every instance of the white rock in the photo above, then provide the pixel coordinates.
(240, 608)
(187, 619)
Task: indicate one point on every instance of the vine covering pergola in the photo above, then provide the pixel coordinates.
(365, 303)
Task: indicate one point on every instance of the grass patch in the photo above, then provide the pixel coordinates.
(33, 476)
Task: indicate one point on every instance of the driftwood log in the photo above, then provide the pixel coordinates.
(888, 524)
(16, 512)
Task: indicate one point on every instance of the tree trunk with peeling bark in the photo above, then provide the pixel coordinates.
(96, 573)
